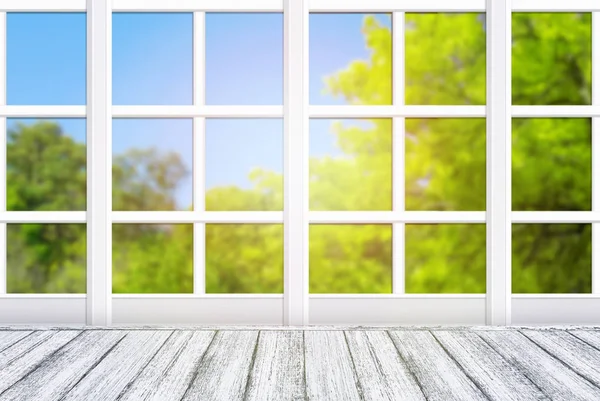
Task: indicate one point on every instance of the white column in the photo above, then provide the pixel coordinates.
(199, 155)
(99, 163)
(498, 205)
(398, 155)
(295, 162)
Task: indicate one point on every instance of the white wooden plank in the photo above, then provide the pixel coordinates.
(557, 380)
(55, 376)
(171, 371)
(381, 372)
(592, 337)
(20, 359)
(497, 378)
(278, 369)
(107, 380)
(330, 373)
(580, 356)
(440, 377)
(223, 372)
(9, 338)
(10, 354)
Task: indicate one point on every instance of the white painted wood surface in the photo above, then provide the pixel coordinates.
(278, 370)
(316, 364)
(119, 367)
(19, 360)
(223, 371)
(55, 376)
(329, 368)
(441, 378)
(579, 355)
(498, 379)
(381, 372)
(590, 337)
(557, 380)
(171, 371)
(8, 338)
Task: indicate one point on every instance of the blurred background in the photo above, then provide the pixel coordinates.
(350, 160)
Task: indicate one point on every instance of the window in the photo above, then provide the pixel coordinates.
(300, 162)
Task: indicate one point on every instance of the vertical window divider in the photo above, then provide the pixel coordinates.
(398, 153)
(498, 162)
(595, 151)
(295, 180)
(3, 144)
(99, 163)
(199, 152)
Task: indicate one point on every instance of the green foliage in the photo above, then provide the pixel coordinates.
(244, 258)
(445, 171)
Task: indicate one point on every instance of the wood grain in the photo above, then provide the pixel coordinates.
(580, 356)
(330, 373)
(369, 364)
(9, 338)
(119, 367)
(381, 372)
(170, 372)
(23, 357)
(592, 338)
(223, 372)
(58, 373)
(497, 378)
(278, 369)
(440, 377)
(556, 380)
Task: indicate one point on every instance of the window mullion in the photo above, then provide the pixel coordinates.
(99, 164)
(498, 143)
(199, 152)
(295, 162)
(398, 154)
(595, 150)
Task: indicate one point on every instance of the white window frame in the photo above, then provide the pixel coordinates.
(296, 307)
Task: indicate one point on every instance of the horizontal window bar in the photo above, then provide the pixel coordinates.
(394, 111)
(314, 6)
(359, 217)
(324, 112)
(556, 111)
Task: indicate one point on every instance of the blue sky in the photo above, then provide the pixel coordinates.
(152, 65)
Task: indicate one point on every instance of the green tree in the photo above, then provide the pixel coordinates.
(45, 171)
(445, 171)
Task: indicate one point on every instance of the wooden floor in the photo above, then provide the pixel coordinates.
(249, 364)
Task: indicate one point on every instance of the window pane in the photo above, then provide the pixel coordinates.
(347, 259)
(46, 58)
(244, 164)
(445, 164)
(152, 258)
(552, 258)
(351, 164)
(244, 258)
(152, 58)
(46, 165)
(551, 58)
(445, 59)
(244, 58)
(46, 258)
(350, 57)
(445, 258)
(551, 164)
(152, 164)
